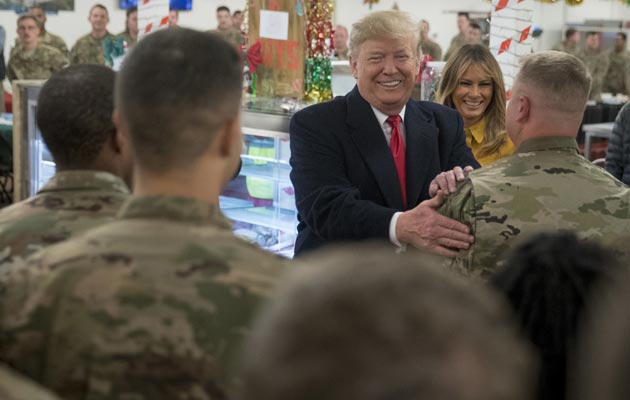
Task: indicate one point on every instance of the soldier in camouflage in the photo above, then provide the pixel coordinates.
(226, 29)
(429, 46)
(463, 22)
(46, 37)
(31, 59)
(156, 304)
(15, 387)
(74, 116)
(546, 185)
(89, 48)
(130, 34)
(597, 63)
(570, 43)
(616, 80)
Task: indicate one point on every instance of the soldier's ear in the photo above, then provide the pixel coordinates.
(524, 107)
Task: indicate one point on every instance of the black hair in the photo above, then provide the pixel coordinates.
(74, 114)
(548, 281)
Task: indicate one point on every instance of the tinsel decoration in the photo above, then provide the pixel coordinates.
(318, 69)
(370, 2)
(574, 2)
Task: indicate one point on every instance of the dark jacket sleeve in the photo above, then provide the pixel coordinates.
(614, 155)
(328, 203)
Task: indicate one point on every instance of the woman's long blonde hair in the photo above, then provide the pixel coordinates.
(475, 54)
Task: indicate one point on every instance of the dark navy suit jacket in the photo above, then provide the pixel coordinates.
(343, 172)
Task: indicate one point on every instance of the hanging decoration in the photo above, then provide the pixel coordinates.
(626, 2)
(510, 35)
(574, 3)
(370, 2)
(319, 47)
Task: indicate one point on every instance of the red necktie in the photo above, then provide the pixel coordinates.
(397, 147)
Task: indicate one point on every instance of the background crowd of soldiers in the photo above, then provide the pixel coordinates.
(38, 54)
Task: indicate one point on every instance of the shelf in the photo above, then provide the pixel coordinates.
(269, 217)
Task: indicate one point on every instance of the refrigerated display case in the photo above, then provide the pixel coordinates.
(260, 201)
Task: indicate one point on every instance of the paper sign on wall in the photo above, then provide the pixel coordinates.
(274, 25)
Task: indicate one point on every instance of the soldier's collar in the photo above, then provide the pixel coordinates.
(548, 143)
(85, 180)
(179, 209)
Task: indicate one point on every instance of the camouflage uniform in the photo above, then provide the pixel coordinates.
(55, 41)
(597, 63)
(14, 387)
(616, 80)
(126, 36)
(232, 35)
(457, 42)
(152, 306)
(431, 48)
(545, 186)
(39, 63)
(70, 203)
(565, 48)
(88, 50)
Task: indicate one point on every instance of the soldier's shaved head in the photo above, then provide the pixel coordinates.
(175, 91)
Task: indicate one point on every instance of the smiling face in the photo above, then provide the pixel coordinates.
(98, 19)
(386, 70)
(473, 95)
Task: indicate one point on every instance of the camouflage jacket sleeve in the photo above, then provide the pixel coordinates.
(59, 61)
(11, 75)
(74, 54)
(459, 206)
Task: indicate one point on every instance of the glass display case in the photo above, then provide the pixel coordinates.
(260, 201)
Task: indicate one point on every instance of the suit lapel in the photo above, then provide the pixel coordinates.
(369, 139)
(421, 146)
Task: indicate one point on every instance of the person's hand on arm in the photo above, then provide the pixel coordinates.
(447, 181)
(424, 228)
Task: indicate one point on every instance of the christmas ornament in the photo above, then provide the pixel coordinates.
(319, 47)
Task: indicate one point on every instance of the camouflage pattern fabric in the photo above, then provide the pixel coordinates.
(232, 35)
(565, 48)
(14, 387)
(55, 41)
(39, 63)
(126, 36)
(457, 42)
(597, 64)
(544, 186)
(152, 306)
(616, 80)
(88, 50)
(70, 203)
(431, 48)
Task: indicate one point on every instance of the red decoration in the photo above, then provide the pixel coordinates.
(525, 34)
(505, 45)
(502, 4)
(254, 56)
